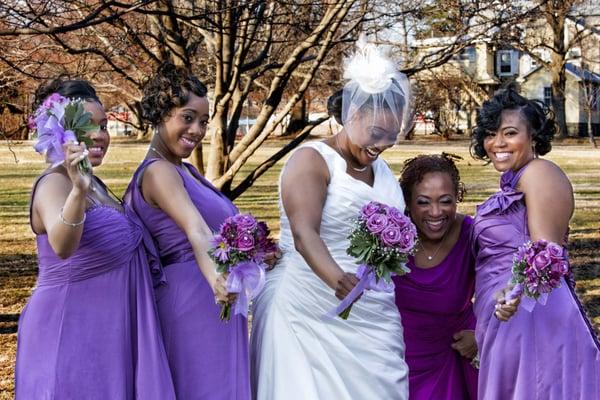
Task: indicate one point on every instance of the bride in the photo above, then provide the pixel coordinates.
(297, 353)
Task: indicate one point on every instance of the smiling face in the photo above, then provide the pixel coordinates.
(511, 146)
(370, 135)
(185, 127)
(100, 138)
(432, 205)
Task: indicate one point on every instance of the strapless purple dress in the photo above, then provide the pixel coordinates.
(90, 329)
(208, 357)
(549, 353)
(435, 303)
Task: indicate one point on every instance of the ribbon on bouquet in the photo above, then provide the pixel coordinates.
(246, 279)
(527, 303)
(367, 281)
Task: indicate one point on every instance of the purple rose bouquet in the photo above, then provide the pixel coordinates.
(381, 241)
(57, 121)
(537, 269)
(239, 250)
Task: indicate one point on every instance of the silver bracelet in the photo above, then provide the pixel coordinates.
(72, 225)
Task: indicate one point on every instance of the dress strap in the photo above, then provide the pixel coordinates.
(510, 179)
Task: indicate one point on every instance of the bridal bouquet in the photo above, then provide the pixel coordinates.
(57, 121)
(537, 269)
(239, 250)
(381, 241)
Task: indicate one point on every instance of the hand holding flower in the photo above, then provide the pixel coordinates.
(74, 153)
(346, 282)
(505, 306)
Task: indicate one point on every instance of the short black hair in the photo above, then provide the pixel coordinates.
(540, 121)
(168, 88)
(416, 168)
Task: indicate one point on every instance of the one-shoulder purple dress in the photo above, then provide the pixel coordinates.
(548, 353)
(90, 329)
(208, 357)
(435, 303)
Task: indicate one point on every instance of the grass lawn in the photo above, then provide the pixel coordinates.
(17, 246)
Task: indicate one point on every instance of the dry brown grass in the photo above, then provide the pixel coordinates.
(17, 247)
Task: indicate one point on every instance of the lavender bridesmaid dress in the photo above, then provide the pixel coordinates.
(90, 329)
(208, 357)
(549, 353)
(435, 303)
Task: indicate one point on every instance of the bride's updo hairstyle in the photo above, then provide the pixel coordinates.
(375, 88)
(167, 89)
(540, 121)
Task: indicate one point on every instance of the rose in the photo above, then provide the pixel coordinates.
(245, 242)
(391, 235)
(397, 217)
(555, 250)
(407, 239)
(561, 267)
(376, 223)
(369, 209)
(542, 260)
(244, 222)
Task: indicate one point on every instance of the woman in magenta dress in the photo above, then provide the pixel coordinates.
(550, 352)
(181, 210)
(90, 329)
(434, 299)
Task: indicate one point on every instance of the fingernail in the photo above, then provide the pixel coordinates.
(86, 152)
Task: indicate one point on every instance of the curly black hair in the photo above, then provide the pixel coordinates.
(167, 89)
(334, 105)
(414, 170)
(70, 88)
(540, 121)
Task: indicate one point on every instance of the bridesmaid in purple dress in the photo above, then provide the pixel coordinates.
(550, 352)
(434, 299)
(90, 329)
(181, 210)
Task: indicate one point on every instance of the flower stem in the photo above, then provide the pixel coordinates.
(346, 313)
(225, 312)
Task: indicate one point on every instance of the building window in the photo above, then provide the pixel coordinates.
(467, 54)
(548, 96)
(506, 62)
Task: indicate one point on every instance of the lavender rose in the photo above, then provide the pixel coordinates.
(245, 242)
(407, 239)
(542, 260)
(397, 217)
(377, 223)
(555, 251)
(369, 209)
(244, 222)
(391, 235)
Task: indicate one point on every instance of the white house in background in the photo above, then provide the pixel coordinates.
(484, 67)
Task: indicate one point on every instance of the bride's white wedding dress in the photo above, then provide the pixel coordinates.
(295, 353)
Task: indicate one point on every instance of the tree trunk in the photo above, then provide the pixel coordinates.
(590, 127)
(298, 117)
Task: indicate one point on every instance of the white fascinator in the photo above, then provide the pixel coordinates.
(377, 92)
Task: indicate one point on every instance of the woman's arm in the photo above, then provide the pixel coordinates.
(163, 187)
(303, 192)
(549, 201)
(59, 204)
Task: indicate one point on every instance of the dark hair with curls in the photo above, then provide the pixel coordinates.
(334, 106)
(70, 88)
(539, 119)
(415, 169)
(169, 88)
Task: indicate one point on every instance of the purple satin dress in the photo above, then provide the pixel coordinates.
(208, 357)
(548, 353)
(90, 329)
(435, 303)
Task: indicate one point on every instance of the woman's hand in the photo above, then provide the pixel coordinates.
(74, 154)
(272, 258)
(505, 309)
(345, 283)
(219, 288)
(465, 344)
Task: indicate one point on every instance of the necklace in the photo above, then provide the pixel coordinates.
(337, 144)
(431, 257)
(158, 152)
